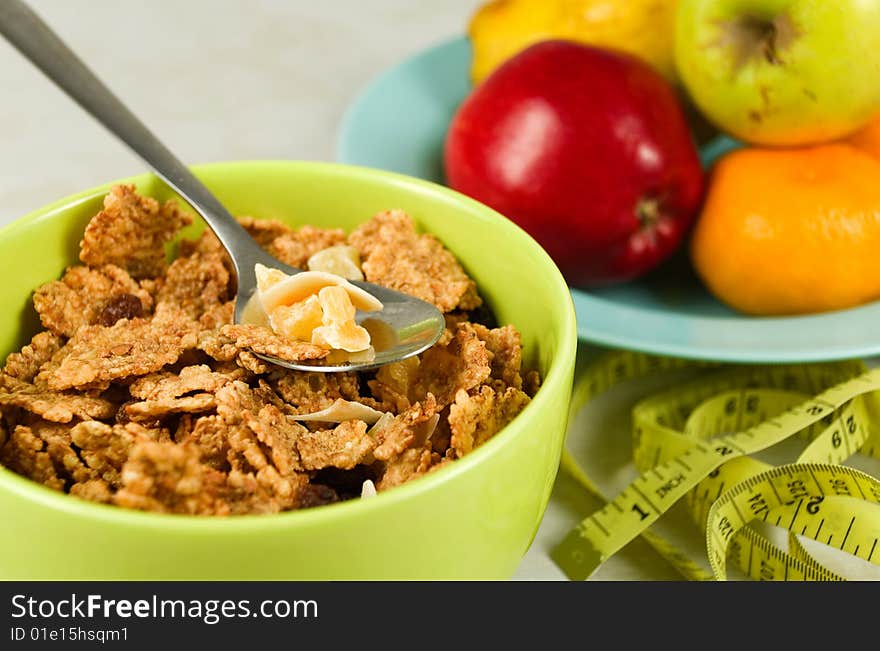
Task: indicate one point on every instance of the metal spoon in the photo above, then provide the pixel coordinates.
(406, 326)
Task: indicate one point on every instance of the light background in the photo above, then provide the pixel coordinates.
(226, 80)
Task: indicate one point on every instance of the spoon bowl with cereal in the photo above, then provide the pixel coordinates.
(324, 318)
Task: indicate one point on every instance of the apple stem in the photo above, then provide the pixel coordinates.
(765, 34)
(648, 212)
(753, 37)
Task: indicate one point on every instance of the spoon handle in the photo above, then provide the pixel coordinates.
(39, 44)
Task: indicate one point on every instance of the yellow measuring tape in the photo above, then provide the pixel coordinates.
(697, 441)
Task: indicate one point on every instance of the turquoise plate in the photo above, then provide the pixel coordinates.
(398, 123)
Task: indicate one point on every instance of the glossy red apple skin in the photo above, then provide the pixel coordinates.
(588, 150)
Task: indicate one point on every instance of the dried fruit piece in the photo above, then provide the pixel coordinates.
(299, 287)
(341, 260)
(131, 232)
(122, 306)
(339, 330)
(343, 357)
(317, 495)
(341, 411)
(394, 383)
(314, 306)
(267, 276)
(368, 489)
(299, 320)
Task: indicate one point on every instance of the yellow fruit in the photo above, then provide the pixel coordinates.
(503, 28)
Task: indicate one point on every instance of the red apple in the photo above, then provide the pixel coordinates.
(588, 150)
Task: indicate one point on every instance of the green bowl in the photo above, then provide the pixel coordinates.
(473, 519)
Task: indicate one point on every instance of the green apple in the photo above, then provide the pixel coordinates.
(781, 72)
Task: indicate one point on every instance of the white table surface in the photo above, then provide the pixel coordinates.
(236, 79)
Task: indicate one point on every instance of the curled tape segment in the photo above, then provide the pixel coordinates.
(697, 441)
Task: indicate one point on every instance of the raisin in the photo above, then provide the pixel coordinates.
(484, 316)
(123, 306)
(122, 413)
(317, 495)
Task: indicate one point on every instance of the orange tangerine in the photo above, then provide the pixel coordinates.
(791, 231)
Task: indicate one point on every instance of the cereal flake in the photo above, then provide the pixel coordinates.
(309, 392)
(168, 477)
(262, 340)
(96, 355)
(24, 365)
(167, 385)
(131, 232)
(395, 256)
(264, 231)
(345, 446)
(86, 296)
(412, 463)
(25, 454)
(406, 429)
(51, 405)
(105, 448)
(474, 419)
(296, 247)
(505, 352)
(442, 371)
(196, 284)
